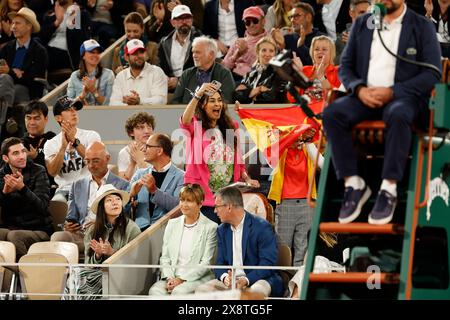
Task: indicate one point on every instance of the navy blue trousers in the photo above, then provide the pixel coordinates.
(342, 115)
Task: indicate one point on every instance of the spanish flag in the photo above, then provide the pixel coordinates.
(274, 130)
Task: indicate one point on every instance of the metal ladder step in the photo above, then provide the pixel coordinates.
(354, 277)
(361, 228)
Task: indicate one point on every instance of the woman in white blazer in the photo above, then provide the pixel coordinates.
(189, 240)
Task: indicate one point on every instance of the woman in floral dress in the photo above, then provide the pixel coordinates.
(213, 156)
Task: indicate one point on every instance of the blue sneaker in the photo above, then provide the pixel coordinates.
(353, 203)
(384, 208)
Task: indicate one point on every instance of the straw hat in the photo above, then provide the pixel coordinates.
(28, 15)
(105, 190)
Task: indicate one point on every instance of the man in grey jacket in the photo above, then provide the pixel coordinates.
(83, 193)
(204, 51)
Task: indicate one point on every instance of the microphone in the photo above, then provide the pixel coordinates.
(378, 11)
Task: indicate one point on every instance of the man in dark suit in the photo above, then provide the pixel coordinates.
(244, 239)
(23, 60)
(381, 87)
(83, 193)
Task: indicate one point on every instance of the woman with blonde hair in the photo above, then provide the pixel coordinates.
(189, 240)
(323, 73)
(262, 84)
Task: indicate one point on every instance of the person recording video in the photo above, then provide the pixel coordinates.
(381, 86)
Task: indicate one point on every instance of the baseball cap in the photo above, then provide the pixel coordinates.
(133, 45)
(89, 46)
(65, 103)
(253, 12)
(180, 10)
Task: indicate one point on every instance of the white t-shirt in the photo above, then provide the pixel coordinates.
(73, 166)
(186, 249)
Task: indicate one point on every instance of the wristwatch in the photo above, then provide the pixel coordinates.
(76, 143)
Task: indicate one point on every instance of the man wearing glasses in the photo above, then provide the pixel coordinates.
(299, 41)
(157, 187)
(244, 239)
(83, 192)
(242, 54)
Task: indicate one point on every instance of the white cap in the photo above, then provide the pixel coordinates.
(89, 46)
(180, 10)
(134, 45)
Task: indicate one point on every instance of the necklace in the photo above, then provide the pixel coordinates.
(190, 226)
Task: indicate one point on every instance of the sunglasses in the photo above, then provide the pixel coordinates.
(249, 21)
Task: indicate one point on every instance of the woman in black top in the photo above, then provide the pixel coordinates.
(262, 84)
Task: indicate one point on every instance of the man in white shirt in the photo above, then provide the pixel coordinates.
(331, 16)
(381, 87)
(83, 192)
(141, 83)
(139, 127)
(252, 243)
(65, 152)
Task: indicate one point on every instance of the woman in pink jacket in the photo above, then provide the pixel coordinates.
(213, 152)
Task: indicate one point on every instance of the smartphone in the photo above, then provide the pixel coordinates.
(217, 84)
(72, 220)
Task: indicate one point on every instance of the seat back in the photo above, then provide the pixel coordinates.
(8, 251)
(47, 281)
(257, 204)
(8, 255)
(284, 255)
(68, 250)
(285, 260)
(58, 211)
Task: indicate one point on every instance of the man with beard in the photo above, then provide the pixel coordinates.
(24, 196)
(141, 83)
(381, 87)
(174, 49)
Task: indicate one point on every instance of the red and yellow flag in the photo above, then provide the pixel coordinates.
(273, 130)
